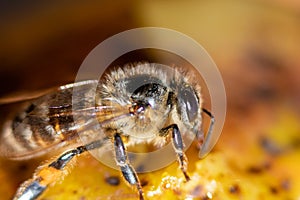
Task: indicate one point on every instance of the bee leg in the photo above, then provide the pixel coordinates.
(123, 162)
(206, 143)
(178, 146)
(49, 174)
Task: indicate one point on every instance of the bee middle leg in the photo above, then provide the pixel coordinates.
(123, 162)
(178, 146)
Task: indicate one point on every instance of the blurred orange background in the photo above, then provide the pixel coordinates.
(255, 44)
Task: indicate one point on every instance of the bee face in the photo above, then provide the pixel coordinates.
(157, 96)
(149, 101)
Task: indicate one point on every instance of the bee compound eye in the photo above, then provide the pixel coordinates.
(189, 103)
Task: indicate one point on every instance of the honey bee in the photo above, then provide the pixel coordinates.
(142, 102)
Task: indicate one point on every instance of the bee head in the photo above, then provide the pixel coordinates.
(147, 100)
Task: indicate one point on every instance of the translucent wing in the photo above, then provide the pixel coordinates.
(51, 122)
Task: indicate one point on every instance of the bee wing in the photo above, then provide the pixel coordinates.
(48, 122)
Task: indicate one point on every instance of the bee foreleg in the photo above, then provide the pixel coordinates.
(49, 174)
(123, 162)
(206, 142)
(178, 146)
